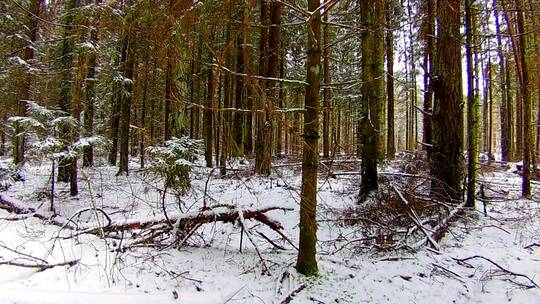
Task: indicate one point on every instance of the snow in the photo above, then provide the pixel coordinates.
(213, 269)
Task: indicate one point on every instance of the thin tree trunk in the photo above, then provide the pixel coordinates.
(239, 117)
(490, 110)
(390, 99)
(28, 56)
(523, 76)
(89, 99)
(125, 108)
(506, 145)
(510, 110)
(306, 262)
(473, 118)
(264, 124)
(65, 164)
(168, 96)
(327, 91)
(209, 120)
(428, 72)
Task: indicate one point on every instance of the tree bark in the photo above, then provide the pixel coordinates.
(506, 144)
(390, 98)
(125, 106)
(65, 164)
(522, 64)
(28, 56)
(429, 34)
(327, 91)
(89, 99)
(306, 262)
(447, 159)
(373, 17)
(472, 109)
(264, 123)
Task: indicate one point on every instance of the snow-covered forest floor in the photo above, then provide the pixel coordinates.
(212, 268)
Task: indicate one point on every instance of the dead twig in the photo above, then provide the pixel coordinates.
(293, 294)
(464, 260)
(248, 234)
(42, 266)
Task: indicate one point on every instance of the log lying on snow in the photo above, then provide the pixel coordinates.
(14, 205)
(226, 214)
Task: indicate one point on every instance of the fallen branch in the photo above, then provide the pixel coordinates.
(40, 267)
(293, 294)
(416, 219)
(457, 276)
(439, 230)
(248, 234)
(223, 213)
(226, 214)
(14, 205)
(530, 246)
(464, 260)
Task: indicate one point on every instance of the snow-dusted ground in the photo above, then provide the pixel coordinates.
(213, 269)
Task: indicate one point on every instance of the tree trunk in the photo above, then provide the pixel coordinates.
(447, 159)
(327, 91)
(510, 110)
(239, 100)
(506, 145)
(89, 99)
(490, 110)
(264, 123)
(473, 118)
(65, 164)
(28, 56)
(390, 98)
(523, 77)
(209, 120)
(169, 84)
(429, 33)
(372, 91)
(125, 107)
(306, 262)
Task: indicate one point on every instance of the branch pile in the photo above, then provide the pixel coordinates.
(404, 214)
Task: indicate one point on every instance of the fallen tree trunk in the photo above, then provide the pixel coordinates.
(227, 214)
(224, 213)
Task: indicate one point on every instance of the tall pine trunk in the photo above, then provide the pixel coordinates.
(327, 91)
(372, 102)
(473, 118)
(429, 33)
(66, 87)
(390, 98)
(125, 107)
(306, 262)
(89, 99)
(28, 56)
(447, 157)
